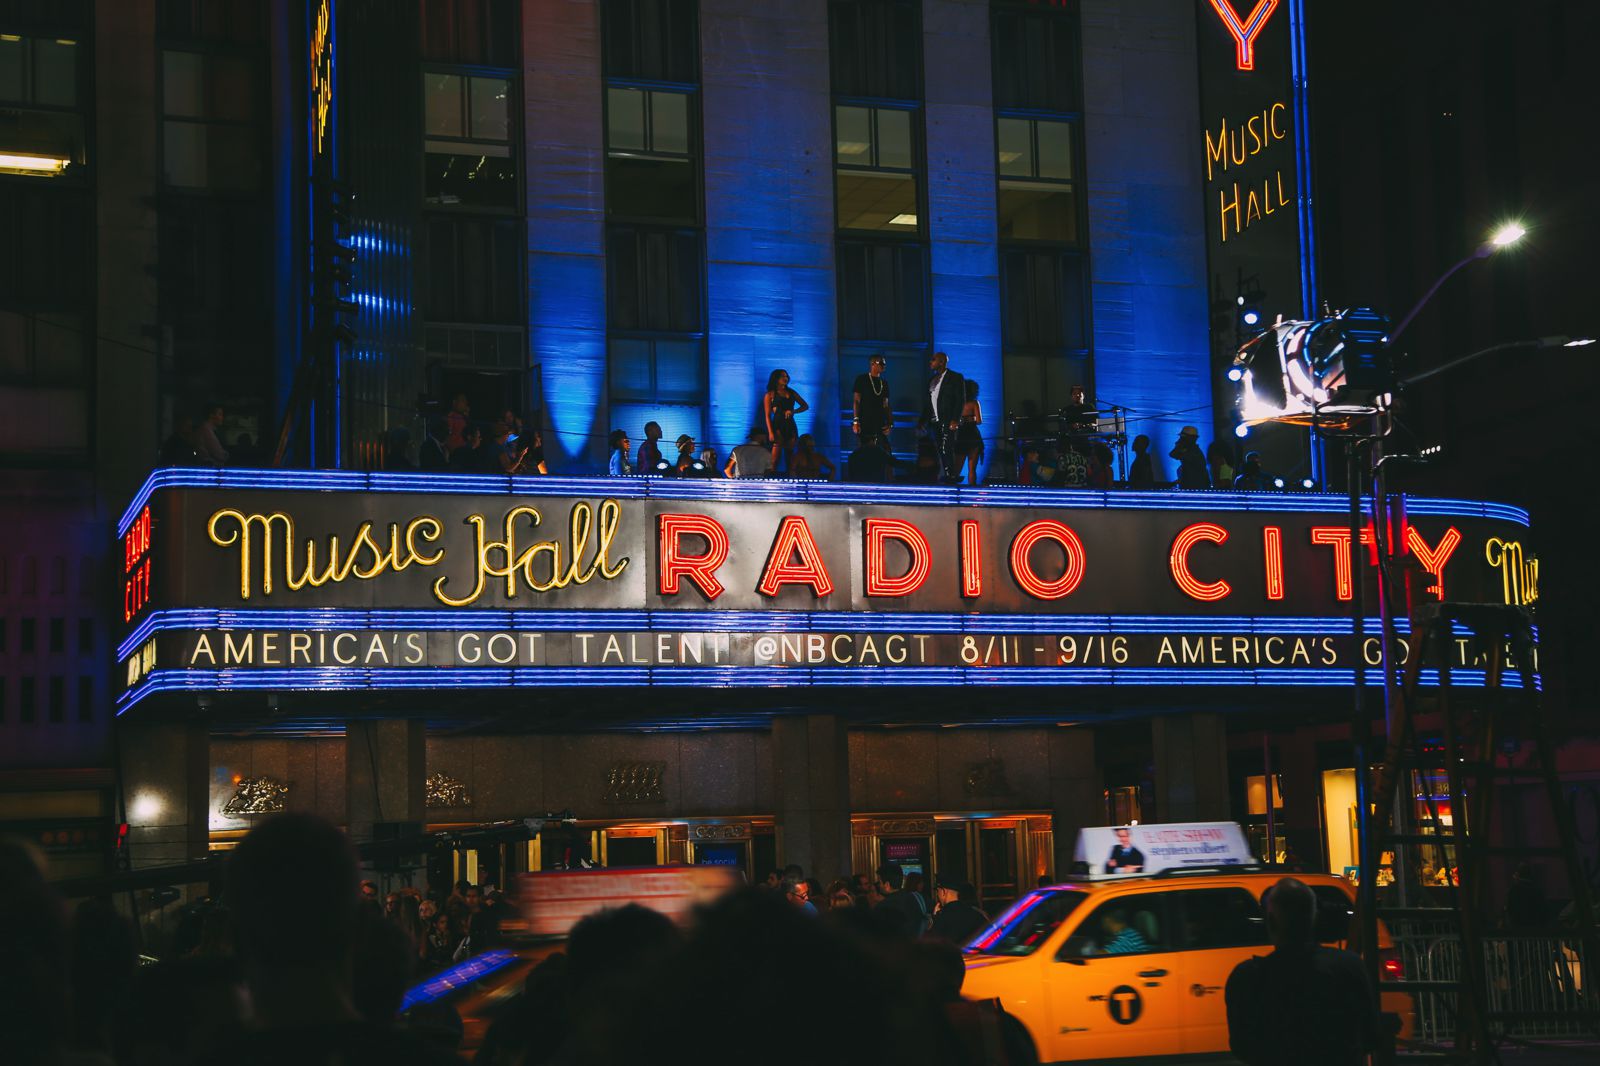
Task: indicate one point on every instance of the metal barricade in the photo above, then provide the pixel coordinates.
(1535, 984)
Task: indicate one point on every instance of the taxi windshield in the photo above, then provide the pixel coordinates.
(1026, 924)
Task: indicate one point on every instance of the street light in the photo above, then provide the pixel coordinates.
(1508, 234)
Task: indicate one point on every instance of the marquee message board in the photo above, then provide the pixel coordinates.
(309, 580)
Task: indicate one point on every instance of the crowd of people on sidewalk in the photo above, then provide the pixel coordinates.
(300, 960)
(303, 962)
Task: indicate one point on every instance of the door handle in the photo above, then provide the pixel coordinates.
(1152, 973)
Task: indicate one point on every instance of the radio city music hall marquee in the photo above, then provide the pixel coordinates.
(270, 580)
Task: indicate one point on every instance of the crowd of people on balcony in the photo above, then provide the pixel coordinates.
(949, 445)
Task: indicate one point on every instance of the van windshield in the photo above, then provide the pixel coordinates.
(1027, 923)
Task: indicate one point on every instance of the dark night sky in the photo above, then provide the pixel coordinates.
(1433, 121)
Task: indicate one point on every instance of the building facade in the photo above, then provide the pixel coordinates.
(332, 218)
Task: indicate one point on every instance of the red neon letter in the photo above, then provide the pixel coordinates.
(1206, 591)
(971, 562)
(1434, 560)
(1022, 569)
(1339, 537)
(701, 569)
(1272, 544)
(879, 531)
(795, 536)
(1244, 32)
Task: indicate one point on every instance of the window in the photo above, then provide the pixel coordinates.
(651, 40)
(1334, 913)
(876, 184)
(58, 699)
(1037, 198)
(26, 698)
(46, 268)
(1035, 58)
(213, 283)
(85, 698)
(1027, 923)
(38, 71)
(882, 290)
(1127, 925)
(876, 48)
(58, 635)
(476, 32)
(654, 280)
(1221, 918)
(650, 154)
(1042, 299)
(474, 271)
(467, 140)
(669, 371)
(209, 136)
(25, 631)
(236, 22)
(85, 636)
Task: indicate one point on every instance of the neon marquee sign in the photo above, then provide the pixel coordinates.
(418, 581)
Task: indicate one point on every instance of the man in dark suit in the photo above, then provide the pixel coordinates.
(941, 413)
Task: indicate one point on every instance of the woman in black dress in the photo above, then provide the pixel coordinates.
(969, 439)
(779, 406)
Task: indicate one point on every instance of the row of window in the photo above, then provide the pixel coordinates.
(26, 699)
(655, 271)
(31, 575)
(55, 636)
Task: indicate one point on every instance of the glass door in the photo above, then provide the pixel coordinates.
(998, 885)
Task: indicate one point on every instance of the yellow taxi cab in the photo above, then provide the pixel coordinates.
(1173, 939)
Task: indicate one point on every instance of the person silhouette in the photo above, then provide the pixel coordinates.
(1304, 1004)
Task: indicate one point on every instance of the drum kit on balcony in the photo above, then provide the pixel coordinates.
(1065, 442)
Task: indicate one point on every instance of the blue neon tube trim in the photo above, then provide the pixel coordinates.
(559, 621)
(433, 678)
(715, 490)
(464, 973)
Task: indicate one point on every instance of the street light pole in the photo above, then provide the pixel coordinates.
(1503, 238)
(1537, 342)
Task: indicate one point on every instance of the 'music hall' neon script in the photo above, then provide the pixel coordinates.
(1045, 558)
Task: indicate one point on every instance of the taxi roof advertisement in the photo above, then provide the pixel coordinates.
(1149, 849)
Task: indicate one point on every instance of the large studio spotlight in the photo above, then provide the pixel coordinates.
(1331, 371)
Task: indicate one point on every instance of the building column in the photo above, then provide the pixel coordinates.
(1077, 793)
(563, 97)
(962, 227)
(811, 786)
(1191, 753)
(165, 771)
(1151, 315)
(384, 767)
(769, 211)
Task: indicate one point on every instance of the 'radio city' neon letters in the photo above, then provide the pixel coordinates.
(672, 564)
(876, 534)
(1193, 587)
(795, 559)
